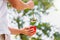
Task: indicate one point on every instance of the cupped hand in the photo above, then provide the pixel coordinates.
(29, 31)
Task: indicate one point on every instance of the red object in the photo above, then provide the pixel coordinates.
(34, 29)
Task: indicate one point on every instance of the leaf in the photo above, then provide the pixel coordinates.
(8, 5)
(33, 38)
(47, 26)
(25, 11)
(31, 13)
(47, 5)
(25, 1)
(32, 21)
(39, 26)
(24, 37)
(36, 2)
(18, 11)
(56, 36)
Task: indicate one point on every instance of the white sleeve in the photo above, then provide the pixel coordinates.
(3, 9)
(2, 12)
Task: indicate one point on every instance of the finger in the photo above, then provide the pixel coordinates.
(32, 30)
(31, 34)
(26, 28)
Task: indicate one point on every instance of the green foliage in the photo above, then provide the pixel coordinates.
(8, 5)
(18, 11)
(36, 2)
(56, 36)
(39, 26)
(25, 11)
(32, 21)
(46, 5)
(35, 38)
(45, 27)
(25, 1)
(31, 13)
(24, 37)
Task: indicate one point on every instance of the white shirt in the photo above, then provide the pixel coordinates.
(3, 17)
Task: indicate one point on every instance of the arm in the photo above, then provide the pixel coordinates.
(19, 5)
(14, 31)
(26, 31)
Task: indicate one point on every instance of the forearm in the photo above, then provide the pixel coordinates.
(14, 31)
(18, 4)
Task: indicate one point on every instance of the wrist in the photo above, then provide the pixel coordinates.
(21, 31)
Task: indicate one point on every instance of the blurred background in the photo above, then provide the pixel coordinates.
(45, 15)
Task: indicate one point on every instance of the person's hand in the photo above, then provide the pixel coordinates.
(31, 4)
(29, 31)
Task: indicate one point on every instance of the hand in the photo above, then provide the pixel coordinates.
(29, 31)
(31, 4)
